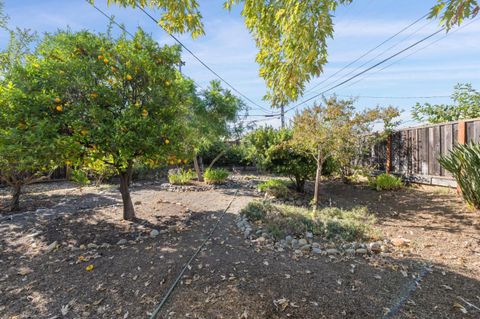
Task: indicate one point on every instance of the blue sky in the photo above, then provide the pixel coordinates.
(229, 49)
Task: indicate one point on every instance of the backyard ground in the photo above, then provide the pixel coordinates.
(69, 255)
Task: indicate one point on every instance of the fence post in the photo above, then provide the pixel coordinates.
(462, 132)
(389, 154)
(461, 139)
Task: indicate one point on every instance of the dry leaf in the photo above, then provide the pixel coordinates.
(460, 307)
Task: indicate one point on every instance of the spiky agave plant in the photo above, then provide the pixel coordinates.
(463, 162)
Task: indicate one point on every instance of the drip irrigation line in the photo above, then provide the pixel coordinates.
(157, 310)
(406, 294)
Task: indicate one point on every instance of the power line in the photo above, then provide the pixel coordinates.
(122, 27)
(419, 49)
(395, 97)
(368, 69)
(368, 52)
(201, 62)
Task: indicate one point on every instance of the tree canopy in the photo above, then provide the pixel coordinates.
(466, 105)
(291, 35)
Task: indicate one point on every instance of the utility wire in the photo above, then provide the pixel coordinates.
(368, 69)
(368, 52)
(375, 57)
(203, 63)
(122, 27)
(419, 49)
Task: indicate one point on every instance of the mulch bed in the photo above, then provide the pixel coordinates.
(232, 278)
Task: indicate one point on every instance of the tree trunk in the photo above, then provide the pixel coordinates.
(317, 180)
(15, 203)
(300, 184)
(128, 209)
(197, 169)
(216, 159)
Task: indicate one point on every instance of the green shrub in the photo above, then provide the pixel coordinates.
(181, 177)
(464, 162)
(215, 175)
(277, 188)
(386, 182)
(256, 210)
(330, 223)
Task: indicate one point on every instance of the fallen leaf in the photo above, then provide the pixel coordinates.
(460, 307)
(89, 267)
(23, 271)
(64, 310)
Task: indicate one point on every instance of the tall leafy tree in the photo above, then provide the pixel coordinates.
(214, 113)
(30, 145)
(291, 35)
(466, 105)
(121, 101)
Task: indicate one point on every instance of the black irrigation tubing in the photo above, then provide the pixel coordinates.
(406, 294)
(157, 310)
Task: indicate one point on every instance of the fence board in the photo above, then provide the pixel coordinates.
(416, 150)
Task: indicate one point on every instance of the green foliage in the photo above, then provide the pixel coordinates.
(330, 223)
(117, 101)
(215, 175)
(464, 162)
(233, 155)
(273, 151)
(277, 188)
(286, 63)
(30, 144)
(453, 12)
(466, 105)
(386, 182)
(181, 177)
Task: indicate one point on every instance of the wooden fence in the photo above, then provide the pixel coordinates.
(414, 152)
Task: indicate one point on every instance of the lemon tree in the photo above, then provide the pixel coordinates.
(121, 101)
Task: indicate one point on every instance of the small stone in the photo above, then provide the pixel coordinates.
(288, 239)
(247, 232)
(315, 245)
(261, 239)
(309, 235)
(51, 247)
(92, 246)
(105, 245)
(361, 251)
(83, 247)
(122, 241)
(350, 251)
(375, 248)
(302, 242)
(154, 233)
(317, 250)
(332, 251)
(306, 247)
(401, 242)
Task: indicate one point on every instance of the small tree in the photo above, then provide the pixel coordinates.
(119, 100)
(319, 131)
(212, 115)
(466, 105)
(273, 151)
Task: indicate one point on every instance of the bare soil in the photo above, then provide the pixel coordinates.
(436, 276)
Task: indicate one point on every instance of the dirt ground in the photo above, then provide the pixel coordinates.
(102, 267)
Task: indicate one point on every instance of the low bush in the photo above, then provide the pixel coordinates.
(215, 175)
(181, 177)
(464, 162)
(330, 223)
(386, 182)
(277, 188)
